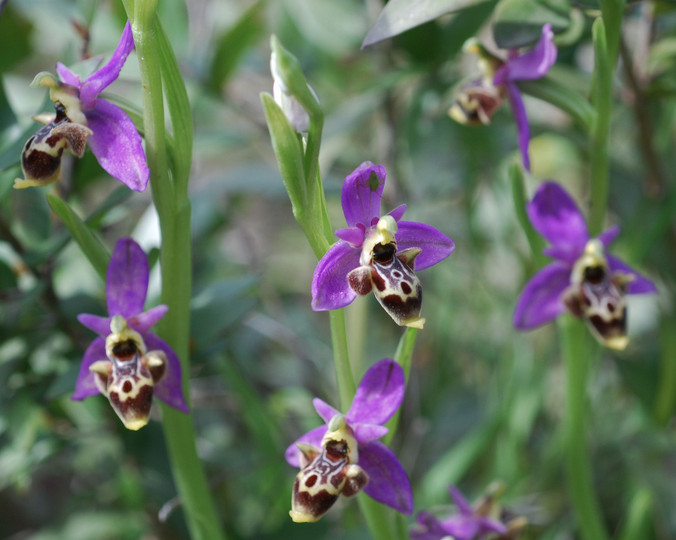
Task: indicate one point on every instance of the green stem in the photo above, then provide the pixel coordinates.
(665, 402)
(576, 355)
(173, 208)
(341, 358)
(403, 357)
(600, 131)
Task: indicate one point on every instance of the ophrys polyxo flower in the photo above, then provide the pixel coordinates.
(127, 363)
(377, 253)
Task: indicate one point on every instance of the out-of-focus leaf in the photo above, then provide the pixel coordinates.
(518, 23)
(7, 117)
(15, 38)
(450, 468)
(401, 15)
(7, 276)
(91, 246)
(31, 215)
(232, 45)
(220, 305)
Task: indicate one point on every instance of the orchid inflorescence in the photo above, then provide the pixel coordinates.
(376, 253)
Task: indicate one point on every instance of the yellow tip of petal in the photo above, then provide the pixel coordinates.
(417, 322)
(135, 424)
(302, 517)
(618, 343)
(21, 183)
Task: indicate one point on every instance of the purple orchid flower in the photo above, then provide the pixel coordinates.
(478, 100)
(468, 524)
(81, 113)
(377, 253)
(583, 278)
(128, 363)
(344, 455)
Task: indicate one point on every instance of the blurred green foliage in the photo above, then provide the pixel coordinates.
(483, 402)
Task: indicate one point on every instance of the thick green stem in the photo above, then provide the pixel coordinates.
(577, 359)
(173, 208)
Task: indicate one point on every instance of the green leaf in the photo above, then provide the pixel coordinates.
(520, 197)
(233, 44)
(288, 152)
(7, 117)
(558, 94)
(518, 23)
(15, 38)
(401, 15)
(91, 245)
(179, 109)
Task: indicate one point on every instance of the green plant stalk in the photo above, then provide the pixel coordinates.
(600, 131)
(612, 12)
(665, 402)
(173, 208)
(403, 357)
(577, 357)
(639, 516)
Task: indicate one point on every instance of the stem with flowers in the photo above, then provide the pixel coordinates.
(160, 78)
(577, 352)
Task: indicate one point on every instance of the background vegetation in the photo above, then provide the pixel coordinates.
(484, 402)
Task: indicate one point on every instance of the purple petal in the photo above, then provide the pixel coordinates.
(540, 300)
(313, 437)
(433, 529)
(378, 395)
(531, 65)
(639, 285)
(388, 482)
(330, 288)
(460, 501)
(398, 212)
(117, 145)
(365, 433)
(461, 527)
(352, 235)
(145, 321)
(169, 389)
(86, 385)
(488, 525)
(100, 79)
(555, 216)
(127, 279)
(100, 325)
(361, 194)
(324, 410)
(435, 245)
(608, 236)
(67, 76)
(522, 128)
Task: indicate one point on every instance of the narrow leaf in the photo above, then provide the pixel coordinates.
(232, 45)
(91, 245)
(179, 109)
(288, 151)
(518, 23)
(401, 15)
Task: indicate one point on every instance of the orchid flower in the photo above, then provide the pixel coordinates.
(583, 279)
(344, 456)
(81, 116)
(127, 363)
(477, 101)
(468, 524)
(377, 253)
